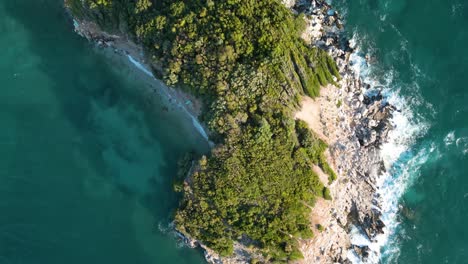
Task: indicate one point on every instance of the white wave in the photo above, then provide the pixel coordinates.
(359, 64)
(199, 127)
(353, 257)
(195, 121)
(168, 229)
(462, 143)
(358, 238)
(140, 66)
(358, 59)
(450, 138)
(393, 185)
(407, 128)
(76, 24)
(401, 164)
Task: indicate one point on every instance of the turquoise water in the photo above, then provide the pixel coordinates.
(87, 154)
(419, 51)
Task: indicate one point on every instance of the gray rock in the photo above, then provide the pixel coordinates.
(361, 97)
(372, 123)
(355, 104)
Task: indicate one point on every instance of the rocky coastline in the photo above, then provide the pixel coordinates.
(354, 123)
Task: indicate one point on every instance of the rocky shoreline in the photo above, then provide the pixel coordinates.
(353, 121)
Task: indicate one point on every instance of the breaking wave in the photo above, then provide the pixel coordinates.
(402, 161)
(195, 121)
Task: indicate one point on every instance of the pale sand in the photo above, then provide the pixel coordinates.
(322, 114)
(310, 113)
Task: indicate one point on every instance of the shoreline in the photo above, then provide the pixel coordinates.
(355, 120)
(135, 57)
(347, 118)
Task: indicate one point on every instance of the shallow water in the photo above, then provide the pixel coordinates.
(87, 157)
(87, 154)
(419, 54)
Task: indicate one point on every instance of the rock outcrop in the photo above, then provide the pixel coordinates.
(356, 121)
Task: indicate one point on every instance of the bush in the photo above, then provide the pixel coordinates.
(320, 227)
(245, 59)
(326, 194)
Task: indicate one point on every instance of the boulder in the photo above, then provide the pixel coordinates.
(362, 251)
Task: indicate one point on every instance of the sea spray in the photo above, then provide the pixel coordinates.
(368, 119)
(401, 164)
(368, 92)
(394, 184)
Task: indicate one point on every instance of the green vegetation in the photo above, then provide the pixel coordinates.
(245, 59)
(326, 194)
(320, 227)
(339, 103)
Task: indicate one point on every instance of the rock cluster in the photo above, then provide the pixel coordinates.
(375, 123)
(356, 130)
(357, 120)
(357, 124)
(93, 33)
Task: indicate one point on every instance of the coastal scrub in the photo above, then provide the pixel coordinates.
(246, 60)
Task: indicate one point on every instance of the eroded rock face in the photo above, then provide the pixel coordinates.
(356, 131)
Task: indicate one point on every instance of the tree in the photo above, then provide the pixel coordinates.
(142, 5)
(246, 60)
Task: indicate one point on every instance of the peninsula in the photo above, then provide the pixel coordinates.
(255, 66)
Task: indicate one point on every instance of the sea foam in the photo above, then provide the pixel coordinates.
(450, 138)
(140, 66)
(401, 162)
(195, 121)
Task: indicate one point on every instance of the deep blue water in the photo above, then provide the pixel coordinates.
(420, 55)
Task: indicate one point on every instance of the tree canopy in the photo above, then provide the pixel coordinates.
(246, 60)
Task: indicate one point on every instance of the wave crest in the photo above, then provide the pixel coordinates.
(402, 161)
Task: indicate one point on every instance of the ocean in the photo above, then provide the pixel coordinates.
(88, 151)
(88, 155)
(416, 51)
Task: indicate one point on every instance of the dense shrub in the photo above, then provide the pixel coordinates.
(245, 59)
